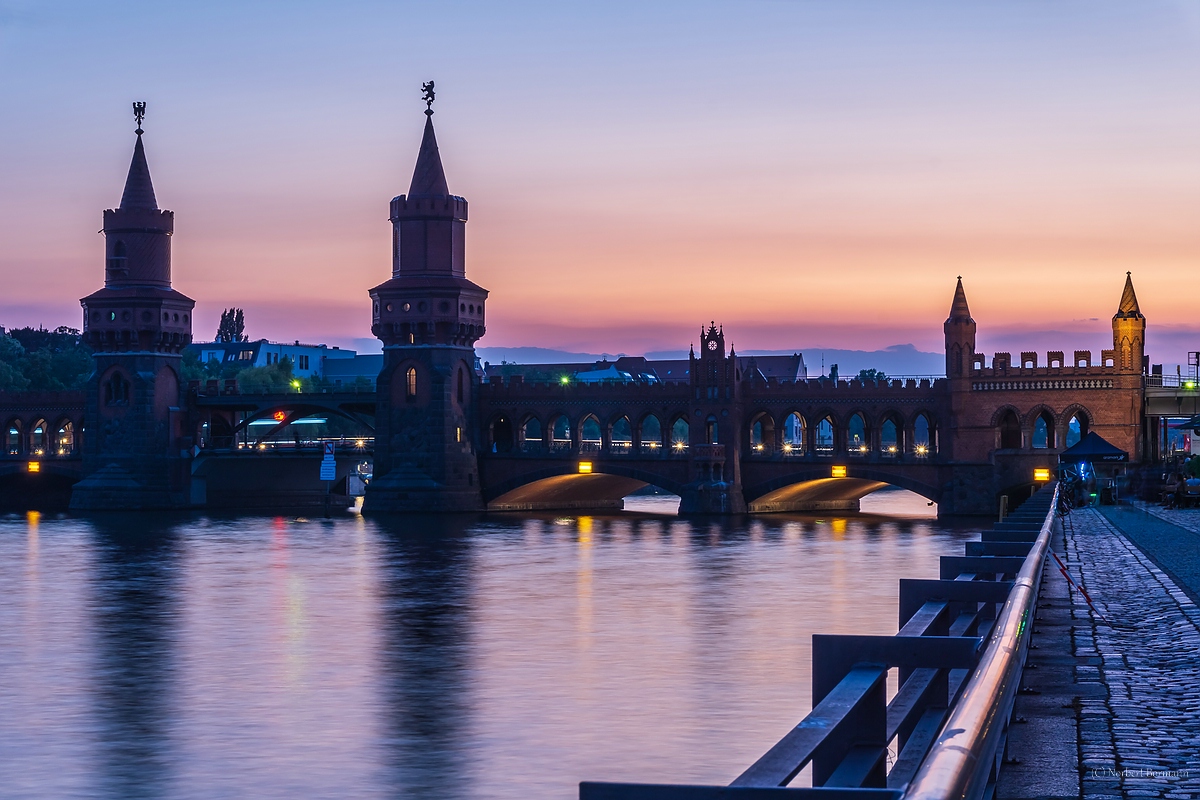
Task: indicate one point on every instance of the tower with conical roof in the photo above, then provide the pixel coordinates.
(428, 316)
(960, 336)
(137, 327)
(1129, 330)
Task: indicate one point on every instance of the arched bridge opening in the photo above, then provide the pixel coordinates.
(831, 489)
(46, 489)
(577, 486)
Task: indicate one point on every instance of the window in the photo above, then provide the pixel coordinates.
(116, 390)
(246, 355)
(410, 383)
(460, 385)
(1077, 428)
(65, 439)
(1010, 431)
(37, 438)
(1043, 431)
(303, 362)
(12, 441)
(710, 430)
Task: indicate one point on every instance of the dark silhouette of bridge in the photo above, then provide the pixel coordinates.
(723, 437)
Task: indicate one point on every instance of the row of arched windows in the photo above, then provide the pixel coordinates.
(1040, 430)
(40, 439)
(794, 437)
(588, 435)
(890, 436)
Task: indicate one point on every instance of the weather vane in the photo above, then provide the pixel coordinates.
(427, 96)
(139, 113)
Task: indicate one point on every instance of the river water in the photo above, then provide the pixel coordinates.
(508, 656)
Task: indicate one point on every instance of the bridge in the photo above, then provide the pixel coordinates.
(718, 432)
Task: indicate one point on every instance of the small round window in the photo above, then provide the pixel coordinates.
(405, 307)
(112, 316)
(421, 306)
(389, 306)
(443, 306)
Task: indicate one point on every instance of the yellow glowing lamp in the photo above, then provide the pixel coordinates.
(838, 472)
(585, 468)
(1041, 474)
(34, 466)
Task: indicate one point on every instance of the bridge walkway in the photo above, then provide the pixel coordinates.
(1141, 735)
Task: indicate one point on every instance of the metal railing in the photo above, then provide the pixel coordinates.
(960, 665)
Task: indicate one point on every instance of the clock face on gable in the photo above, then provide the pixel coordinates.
(712, 344)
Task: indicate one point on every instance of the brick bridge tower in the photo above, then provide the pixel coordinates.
(715, 430)
(137, 326)
(428, 316)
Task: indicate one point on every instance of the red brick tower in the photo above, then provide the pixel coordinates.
(138, 326)
(715, 430)
(1129, 331)
(428, 316)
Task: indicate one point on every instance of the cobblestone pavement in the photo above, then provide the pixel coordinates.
(1143, 739)
(1188, 518)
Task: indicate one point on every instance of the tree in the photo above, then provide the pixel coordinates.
(865, 375)
(40, 360)
(12, 377)
(267, 380)
(232, 327)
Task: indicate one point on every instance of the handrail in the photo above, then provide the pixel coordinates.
(960, 650)
(961, 759)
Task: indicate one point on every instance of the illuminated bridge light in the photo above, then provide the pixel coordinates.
(1041, 474)
(838, 472)
(585, 468)
(34, 466)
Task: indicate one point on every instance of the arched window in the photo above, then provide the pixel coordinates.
(857, 435)
(461, 378)
(680, 435)
(12, 438)
(64, 439)
(502, 435)
(410, 384)
(589, 434)
(116, 390)
(762, 435)
(793, 435)
(38, 440)
(1010, 431)
(118, 263)
(531, 435)
(889, 437)
(651, 434)
(824, 437)
(560, 433)
(1077, 428)
(710, 430)
(1043, 431)
(621, 436)
(922, 436)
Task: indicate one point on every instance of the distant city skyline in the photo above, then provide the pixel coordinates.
(809, 175)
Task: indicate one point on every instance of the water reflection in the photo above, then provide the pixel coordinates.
(425, 595)
(134, 606)
(500, 657)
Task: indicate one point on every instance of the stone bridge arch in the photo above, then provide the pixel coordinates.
(564, 486)
(811, 488)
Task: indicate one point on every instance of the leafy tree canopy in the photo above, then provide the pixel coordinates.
(232, 327)
(871, 375)
(40, 360)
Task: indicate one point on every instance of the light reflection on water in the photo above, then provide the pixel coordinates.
(507, 657)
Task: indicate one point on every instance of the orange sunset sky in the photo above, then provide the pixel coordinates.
(807, 174)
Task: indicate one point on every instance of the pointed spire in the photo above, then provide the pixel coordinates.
(959, 309)
(429, 180)
(139, 191)
(1129, 302)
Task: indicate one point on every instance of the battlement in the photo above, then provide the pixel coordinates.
(447, 207)
(515, 387)
(1081, 365)
(146, 220)
(889, 387)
